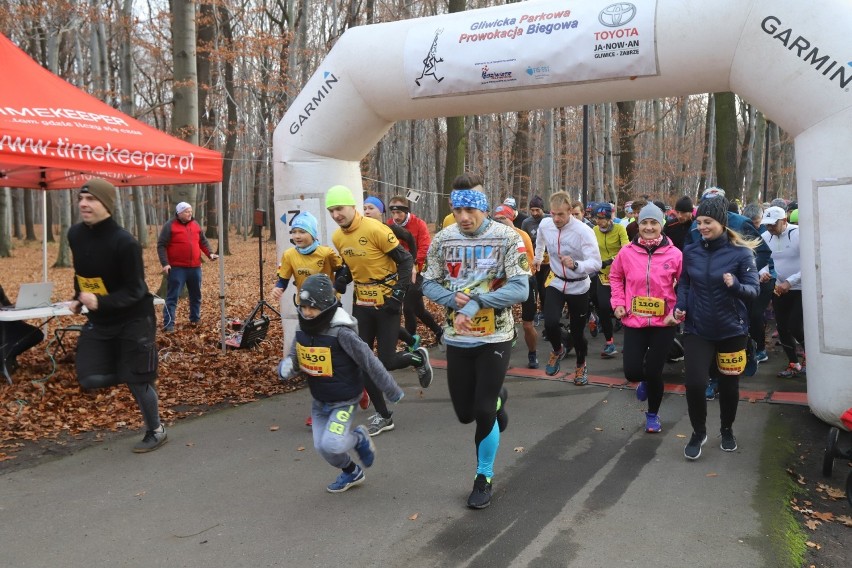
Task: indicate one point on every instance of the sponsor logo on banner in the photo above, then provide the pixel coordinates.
(531, 44)
(329, 81)
(617, 15)
(807, 51)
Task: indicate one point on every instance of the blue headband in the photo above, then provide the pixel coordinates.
(375, 202)
(469, 198)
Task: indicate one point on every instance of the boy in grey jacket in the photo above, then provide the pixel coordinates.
(328, 351)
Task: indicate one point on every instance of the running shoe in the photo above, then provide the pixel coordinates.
(761, 356)
(309, 422)
(652, 423)
(365, 447)
(364, 403)
(642, 392)
(593, 324)
(609, 351)
(692, 451)
(424, 370)
(729, 443)
(793, 370)
(532, 358)
(379, 424)
(538, 319)
(345, 480)
(581, 376)
(153, 439)
(552, 366)
(710, 391)
(502, 415)
(480, 497)
(416, 344)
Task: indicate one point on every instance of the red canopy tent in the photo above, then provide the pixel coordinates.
(55, 136)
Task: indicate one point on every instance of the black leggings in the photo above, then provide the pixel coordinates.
(413, 309)
(604, 308)
(700, 360)
(789, 319)
(474, 377)
(540, 277)
(381, 327)
(757, 325)
(578, 309)
(145, 395)
(644, 354)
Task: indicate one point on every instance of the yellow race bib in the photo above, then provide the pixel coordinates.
(482, 323)
(369, 295)
(314, 361)
(648, 306)
(94, 285)
(549, 279)
(604, 278)
(731, 363)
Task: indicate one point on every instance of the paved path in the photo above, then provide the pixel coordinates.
(578, 483)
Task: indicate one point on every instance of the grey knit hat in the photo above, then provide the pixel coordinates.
(651, 211)
(716, 208)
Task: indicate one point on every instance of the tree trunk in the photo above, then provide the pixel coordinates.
(231, 128)
(707, 156)
(63, 259)
(185, 87)
(753, 190)
(128, 107)
(520, 161)
(726, 143)
(626, 150)
(15, 216)
(5, 217)
(29, 214)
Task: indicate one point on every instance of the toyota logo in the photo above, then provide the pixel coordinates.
(616, 15)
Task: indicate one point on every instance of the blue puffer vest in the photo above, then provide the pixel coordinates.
(345, 381)
(714, 311)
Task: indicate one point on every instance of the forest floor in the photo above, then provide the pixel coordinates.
(45, 413)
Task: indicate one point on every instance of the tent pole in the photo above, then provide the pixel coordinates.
(220, 218)
(44, 232)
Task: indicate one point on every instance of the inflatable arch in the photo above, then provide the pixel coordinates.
(790, 59)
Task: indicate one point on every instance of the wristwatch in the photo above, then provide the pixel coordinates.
(575, 266)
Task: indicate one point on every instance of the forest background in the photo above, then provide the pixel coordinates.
(222, 73)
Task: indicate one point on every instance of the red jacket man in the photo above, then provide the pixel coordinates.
(179, 248)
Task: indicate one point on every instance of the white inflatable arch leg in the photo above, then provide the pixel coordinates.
(790, 59)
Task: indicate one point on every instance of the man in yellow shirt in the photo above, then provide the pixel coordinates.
(381, 270)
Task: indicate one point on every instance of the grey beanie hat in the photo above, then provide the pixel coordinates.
(651, 211)
(715, 208)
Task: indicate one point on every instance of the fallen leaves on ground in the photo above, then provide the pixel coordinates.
(46, 402)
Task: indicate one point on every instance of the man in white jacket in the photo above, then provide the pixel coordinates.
(783, 239)
(574, 255)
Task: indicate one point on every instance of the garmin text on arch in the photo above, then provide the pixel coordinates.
(313, 104)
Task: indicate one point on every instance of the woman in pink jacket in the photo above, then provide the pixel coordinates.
(642, 279)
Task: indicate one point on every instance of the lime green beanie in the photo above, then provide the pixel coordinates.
(339, 195)
(794, 216)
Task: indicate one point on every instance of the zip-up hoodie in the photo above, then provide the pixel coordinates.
(576, 240)
(637, 271)
(714, 311)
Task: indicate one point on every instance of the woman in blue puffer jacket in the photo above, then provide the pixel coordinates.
(719, 276)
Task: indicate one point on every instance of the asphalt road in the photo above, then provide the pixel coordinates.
(577, 483)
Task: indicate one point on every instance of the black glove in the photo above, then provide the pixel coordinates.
(393, 303)
(342, 278)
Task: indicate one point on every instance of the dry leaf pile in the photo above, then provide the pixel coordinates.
(46, 401)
